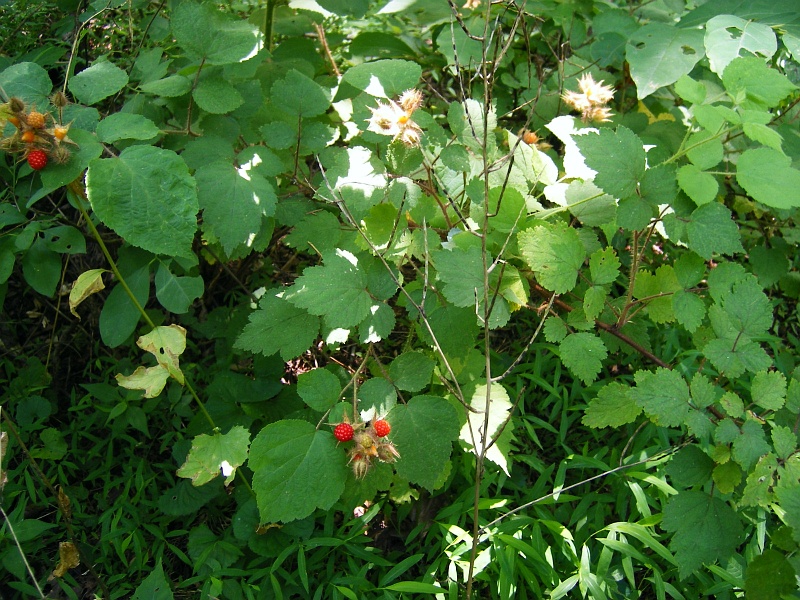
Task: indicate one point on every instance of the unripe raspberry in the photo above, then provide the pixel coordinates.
(36, 120)
(59, 99)
(16, 105)
(60, 155)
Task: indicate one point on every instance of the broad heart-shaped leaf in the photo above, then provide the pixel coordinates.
(319, 388)
(99, 81)
(769, 576)
(461, 272)
(209, 453)
(336, 290)
(148, 197)
(705, 530)
(27, 81)
(411, 371)
(278, 326)
(154, 587)
(166, 344)
(423, 431)
(381, 78)
(583, 354)
(614, 406)
(300, 96)
(216, 95)
(126, 126)
(207, 34)
(297, 469)
(233, 200)
(711, 229)
(753, 85)
(659, 54)
(555, 253)
(617, 156)
(727, 35)
(473, 434)
(767, 175)
(663, 395)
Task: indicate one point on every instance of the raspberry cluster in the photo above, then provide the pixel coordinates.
(37, 143)
(369, 444)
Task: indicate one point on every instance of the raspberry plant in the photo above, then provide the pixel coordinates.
(624, 209)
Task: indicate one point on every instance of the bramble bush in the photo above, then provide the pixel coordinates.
(404, 298)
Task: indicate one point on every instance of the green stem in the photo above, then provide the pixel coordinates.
(268, 19)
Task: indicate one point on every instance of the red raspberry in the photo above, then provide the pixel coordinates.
(37, 159)
(343, 432)
(382, 428)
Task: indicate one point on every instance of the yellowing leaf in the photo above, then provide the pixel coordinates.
(68, 558)
(166, 344)
(150, 379)
(85, 285)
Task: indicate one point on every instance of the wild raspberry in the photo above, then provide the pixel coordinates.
(35, 119)
(343, 432)
(37, 159)
(382, 428)
(60, 132)
(28, 136)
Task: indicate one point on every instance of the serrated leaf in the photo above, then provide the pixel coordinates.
(712, 230)
(423, 431)
(278, 326)
(700, 186)
(589, 204)
(727, 476)
(751, 445)
(555, 253)
(299, 96)
(462, 274)
(473, 434)
(378, 325)
(154, 587)
(216, 95)
(614, 406)
(784, 440)
(335, 290)
(689, 309)
(27, 81)
(617, 156)
(148, 197)
(767, 175)
(88, 283)
(297, 469)
(233, 200)
(583, 354)
(789, 498)
(411, 371)
(689, 467)
(212, 36)
(554, 329)
(99, 81)
(380, 78)
(655, 289)
(604, 266)
(768, 390)
(208, 453)
(754, 85)
(663, 395)
(319, 388)
(659, 54)
(769, 576)
(377, 395)
(705, 530)
(594, 301)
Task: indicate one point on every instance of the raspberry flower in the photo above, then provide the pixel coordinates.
(591, 100)
(394, 118)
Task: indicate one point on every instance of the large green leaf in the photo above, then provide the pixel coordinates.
(728, 35)
(711, 229)
(99, 81)
(233, 200)
(780, 13)
(154, 587)
(27, 81)
(119, 316)
(382, 78)
(659, 54)
(423, 431)
(614, 406)
(461, 272)
(663, 395)
(207, 34)
(297, 469)
(212, 455)
(754, 85)
(319, 388)
(300, 96)
(583, 354)
(770, 576)
(278, 326)
(148, 197)
(617, 156)
(705, 530)
(767, 175)
(555, 253)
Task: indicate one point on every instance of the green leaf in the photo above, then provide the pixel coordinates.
(234, 201)
(27, 81)
(555, 253)
(455, 329)
(462, 274)
(705, 530)
(704, 149)
(767, 175)
(381, 78)
(320, 230)
(659, 54)
(727, 35)
(764, 134)
(690, 90)
(177, 293)
(125, 126)
(789, 498)
(663, 395)
(411, 371)
(154, 587)
(751, 445)
(594, 302)
(727, 477)
(319, 388)
(732, 404)
(415, 587)
(604, 266)
(169, 87)
(119, 316)
(589, 204)
(208, 35)
(784, 441)
(753, 85)
(185, 499)
(769, 576)
(278, 326)
(377, 395)
(711, 230)
(689, 309)
(98, 82)
(700, 186)
(689, 467)
(148, 197)
(41, 268)
(473, 434)
(54, 447)
(335, 290)
(617, 156)
(216, 95)
(613, 407)
(299, 96)
(378, 325)
(768, 390)
(770, 265)
(297, 469)
(583, 354)
(423, 431)
(212, 455)
(655, 289)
